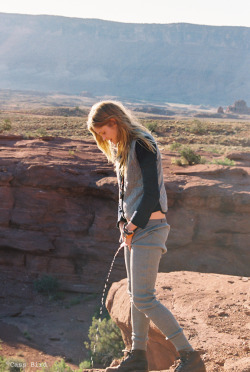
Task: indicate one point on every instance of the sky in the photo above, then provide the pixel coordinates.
(206, 12)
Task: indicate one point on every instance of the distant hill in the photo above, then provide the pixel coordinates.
(174, 62)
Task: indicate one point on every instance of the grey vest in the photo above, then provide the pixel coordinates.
(133, 184)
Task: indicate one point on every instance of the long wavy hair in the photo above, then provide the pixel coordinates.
(129, 129)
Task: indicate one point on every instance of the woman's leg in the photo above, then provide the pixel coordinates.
(140, 323)
(145, 256)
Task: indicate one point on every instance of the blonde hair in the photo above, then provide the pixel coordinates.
(128, 130)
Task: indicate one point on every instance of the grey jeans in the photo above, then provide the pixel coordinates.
(142, 264)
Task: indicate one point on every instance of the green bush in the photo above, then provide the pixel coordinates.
(27, 335)
(105, 342)
(6, 125)
(189, 156)
(3, 364)
(41, 132)
(85, 365)
(12, 365)
(197, 127)
(176, 161)
(47, 285)
(58, 366)
(151, 126)
(224, 161)
(175, 146)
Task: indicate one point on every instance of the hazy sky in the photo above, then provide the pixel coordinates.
(209, 12)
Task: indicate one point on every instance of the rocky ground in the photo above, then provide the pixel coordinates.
(213, 310)
(49, 192)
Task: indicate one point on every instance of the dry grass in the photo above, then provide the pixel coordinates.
(32, 125)
(215, 136)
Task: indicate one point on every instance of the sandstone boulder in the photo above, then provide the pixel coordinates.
(211, 308)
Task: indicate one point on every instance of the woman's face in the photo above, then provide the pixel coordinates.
(108, 132)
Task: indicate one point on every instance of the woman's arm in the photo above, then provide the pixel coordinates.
(150, 199)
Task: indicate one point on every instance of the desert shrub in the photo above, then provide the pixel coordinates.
(3, 364)
(27, 335)
(105, 342)
(28, 135)
(41, 132)
(5, 125)
(58, 366)
(203, 160)
(12, 365)
(213, 150)
(224, 161)
(197, 127)
(189, 156)
(175, 146)
(176, 161)
(75, 301)
(151, 126)
(85, 365)
(47, 285)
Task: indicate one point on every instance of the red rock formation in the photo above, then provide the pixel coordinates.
(220, 110)
(211, 308)
(58, 203)
(239, 107)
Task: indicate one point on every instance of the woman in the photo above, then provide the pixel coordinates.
(142, 222)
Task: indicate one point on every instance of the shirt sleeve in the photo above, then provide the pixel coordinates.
(151, 194)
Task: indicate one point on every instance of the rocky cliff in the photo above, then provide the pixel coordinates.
(160, 63)
(58, 202)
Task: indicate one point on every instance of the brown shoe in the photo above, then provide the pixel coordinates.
(135, 361)
(190, 362)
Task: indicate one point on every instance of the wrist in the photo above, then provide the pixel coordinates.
(126, 232)
(130, 226)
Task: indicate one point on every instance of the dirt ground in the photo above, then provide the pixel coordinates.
(38, 331)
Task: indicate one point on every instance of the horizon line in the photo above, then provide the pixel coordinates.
(122, 22)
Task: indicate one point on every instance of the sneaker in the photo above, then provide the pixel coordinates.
(190, 361)
(134, 361)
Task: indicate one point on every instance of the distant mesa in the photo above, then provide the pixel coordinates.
(158, 63)
(239, 107)
(151, 109)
